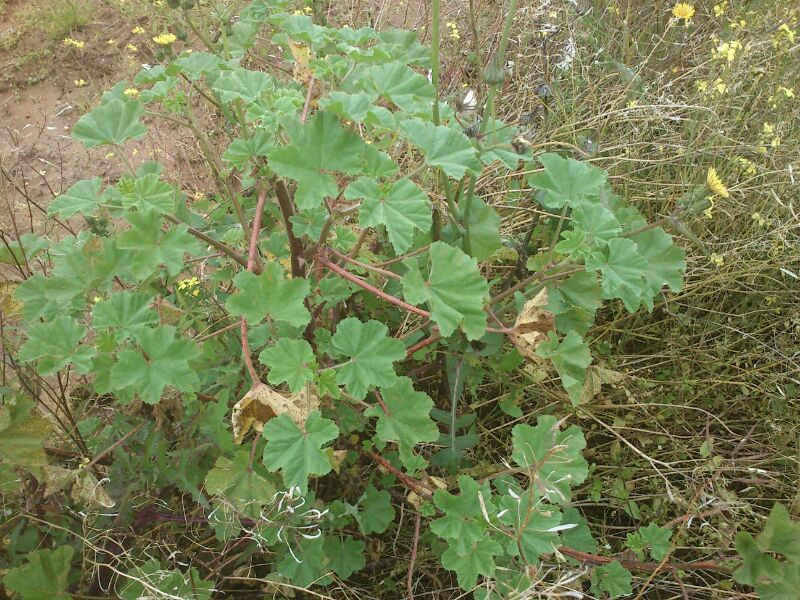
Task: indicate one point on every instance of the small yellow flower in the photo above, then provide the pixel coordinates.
(80, 83)
(97, 299)
(760, 221)
(721, 8)
(719, 86)
(308, 10)
(74, 43)
(701, 86)
(708, 212)
(749, 166)
(632, 103)
(164, 39)
(727, 50)
(132, 48)
(715, 183)
(131, 92)
(188, 283)
(788, 92)
(770, 300)
(110, 155)
(683, 10)
(137, 30)
(110, 42)
(717, 259)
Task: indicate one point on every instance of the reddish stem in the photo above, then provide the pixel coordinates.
(369, 287)
(251, 259)
(304, 116)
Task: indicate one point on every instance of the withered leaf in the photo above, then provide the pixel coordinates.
(262, 403)
(532, 325)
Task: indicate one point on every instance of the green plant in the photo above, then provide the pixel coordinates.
(60, 18)
(347, 243)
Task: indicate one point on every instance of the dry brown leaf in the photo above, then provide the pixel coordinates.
(262, 403)
(532, 325)
(56, 479)
(87, 489)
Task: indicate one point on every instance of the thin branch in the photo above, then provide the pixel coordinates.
(224, 248)
(410, 578)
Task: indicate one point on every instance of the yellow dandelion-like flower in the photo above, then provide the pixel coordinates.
(131, 92)
(80, 83)
(137, 30)
(165, 39)
(132, 48)
(717, 259)
(715, 183)
(683, 10)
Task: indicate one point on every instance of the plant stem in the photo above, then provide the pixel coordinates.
(225, 249)
(287, 212)
(488, 109)
(436, 22)
(251, 261)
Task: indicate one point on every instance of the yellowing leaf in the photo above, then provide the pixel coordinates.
(595, 378)
(302, 57)
(262, 403)
(532, 325)
(9, 305)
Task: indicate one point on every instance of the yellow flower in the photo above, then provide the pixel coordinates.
(727, 50)
(97, 299)
(185, 284)
(137, 30)
(683, 10)
(110, 155)
(110, 42)
(709, 210)
(80, 83)
(132, 48)
(75, 43)
(788, 92)
(164, 39)
(760, 221)
(717, 259)
(719, 86)
(749, 166)
(715, 183)
(701, 86)
(131, 92)
(768, 128)
(721, 8)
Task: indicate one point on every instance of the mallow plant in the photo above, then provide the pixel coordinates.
(285, 361)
